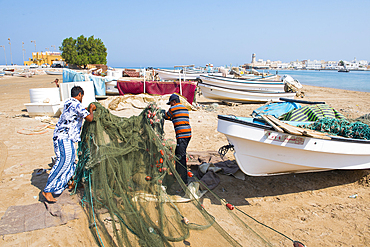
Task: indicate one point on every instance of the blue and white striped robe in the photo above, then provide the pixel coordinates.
(63, 168)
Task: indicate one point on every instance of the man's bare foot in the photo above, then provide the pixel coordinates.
(49, 197)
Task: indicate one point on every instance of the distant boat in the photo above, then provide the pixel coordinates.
(343, 70)
(53, 72)
(262, 151)
(190, 74)
(227, 94)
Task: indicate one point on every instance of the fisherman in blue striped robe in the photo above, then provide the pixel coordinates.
(66, 133)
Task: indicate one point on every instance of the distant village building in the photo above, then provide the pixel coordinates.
(356, 65)
(313, 65)
(259, 64)
(330, 65)
(305, 64)
(46, 57)
(297, 64)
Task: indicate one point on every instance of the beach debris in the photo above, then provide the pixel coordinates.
(38, 130)
(229, 103)
(353, 196)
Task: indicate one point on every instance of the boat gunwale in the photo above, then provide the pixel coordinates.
(243, 80)
(246, 91)
(256, 125)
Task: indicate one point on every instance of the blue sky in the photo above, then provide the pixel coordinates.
(159, 33)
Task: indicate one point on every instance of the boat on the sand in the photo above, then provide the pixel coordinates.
(53, 72)
(227, 94)
(251, 83)
(261, 150)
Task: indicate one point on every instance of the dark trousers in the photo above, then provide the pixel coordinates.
(180, 152)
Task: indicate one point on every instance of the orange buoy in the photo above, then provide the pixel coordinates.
(161, 160)
(148, 178)
(190, 174)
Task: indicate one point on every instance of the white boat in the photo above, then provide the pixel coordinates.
(261, 151)
(166, 74)
(53, 72)
(251, 83)
(221, 93)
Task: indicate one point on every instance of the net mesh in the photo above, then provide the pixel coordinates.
(342, 127)
(131, 187)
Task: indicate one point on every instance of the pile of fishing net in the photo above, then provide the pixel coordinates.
(342, 127)
(131, 188)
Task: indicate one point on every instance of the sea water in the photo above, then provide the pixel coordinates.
(353, 80)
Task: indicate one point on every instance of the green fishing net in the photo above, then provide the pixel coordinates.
(131, 187)
(342, 127)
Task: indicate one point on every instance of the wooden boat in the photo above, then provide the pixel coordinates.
(260, 150)
(221, 93)
(166, 74)
(250, 83)
(53, 72)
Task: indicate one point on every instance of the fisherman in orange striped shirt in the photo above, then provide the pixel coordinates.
(179, 115)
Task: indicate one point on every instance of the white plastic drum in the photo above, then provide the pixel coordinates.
(44, 95)
(117, 74)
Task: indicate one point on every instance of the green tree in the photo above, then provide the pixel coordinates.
(341, 63)
(83, 51)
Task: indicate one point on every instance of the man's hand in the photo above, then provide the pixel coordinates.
(90, 117)
(92, 107)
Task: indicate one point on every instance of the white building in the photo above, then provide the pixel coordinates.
(312, 65)
(331, 65)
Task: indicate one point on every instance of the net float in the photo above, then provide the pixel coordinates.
(190, 174)
(185, 220)
(160, 169)
(164, 169)
(160, 160)
(160, 181)
(229, 206)
(161, 151)
(148, 178)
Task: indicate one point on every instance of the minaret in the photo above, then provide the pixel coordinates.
(254, 58)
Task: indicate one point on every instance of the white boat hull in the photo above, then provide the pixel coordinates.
(255, 83)
(261, 151)
(176, 74)
(219, 93)
(48, 72)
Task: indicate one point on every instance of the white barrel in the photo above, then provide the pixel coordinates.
(117, 74)
(44, 95)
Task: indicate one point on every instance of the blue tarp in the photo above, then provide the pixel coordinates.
(73, 76)
(276, 109)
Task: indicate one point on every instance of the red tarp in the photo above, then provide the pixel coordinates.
(160, 88)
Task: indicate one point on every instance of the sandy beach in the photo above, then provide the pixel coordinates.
(314, 208)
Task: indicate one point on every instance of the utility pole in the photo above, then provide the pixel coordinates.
(23, 50)
(4, 54)
(11, 57)
(34, 41)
